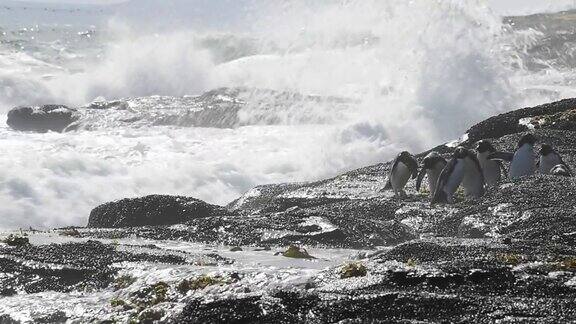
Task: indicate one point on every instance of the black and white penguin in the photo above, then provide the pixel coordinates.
(432, 166)
(523, 162)
(490, 168)
(404, 167)
(451, 177)
(473, 182)
(561, 170)
(549, 159)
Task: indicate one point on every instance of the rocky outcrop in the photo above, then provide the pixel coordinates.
(510, 123)
(42, 119)
(152, 210)
(65, 267)
(432, 280)
(509, 256)
(351, 211)
(219, 108)
(329, 225)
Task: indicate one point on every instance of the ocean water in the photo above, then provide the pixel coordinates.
(324, 87)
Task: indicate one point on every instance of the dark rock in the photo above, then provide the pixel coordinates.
(42, 119)
(509, 123)
(15, 240)
(56, 317)
(152, 211)
(7, 319)
(507, 257)
(81, 265)
(9, 291)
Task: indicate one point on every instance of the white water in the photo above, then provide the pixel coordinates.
(421, 72)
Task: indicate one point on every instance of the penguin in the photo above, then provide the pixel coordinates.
(561, 170)
(549, 159)
(433, 164)
(522, 160)
(404, 167)
(490, 168)
(474, 181)
(451, 177)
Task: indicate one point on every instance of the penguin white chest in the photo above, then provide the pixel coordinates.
(455, 178)
(400, 176)
(473, 182)
(491, 169)
(548, 162)
(523, 162)
(433, 176)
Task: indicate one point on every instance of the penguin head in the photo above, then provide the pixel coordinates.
(527, 139)
(485, 146)
(430, 160)
(546, 149)
(460, 153)
(405, 156)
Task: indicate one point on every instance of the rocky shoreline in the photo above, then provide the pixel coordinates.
(508, 257)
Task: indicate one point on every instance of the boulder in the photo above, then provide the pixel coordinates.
(152, 210)
(42, 119)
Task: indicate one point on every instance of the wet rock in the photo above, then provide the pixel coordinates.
(15, 240)
(42, 119)
(509, 123)
(152, 211)
(509, 256)
(67, 267)
(7, 319)
(56, 317)
(200, 283)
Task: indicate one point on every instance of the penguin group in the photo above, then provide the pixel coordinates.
(473, 170)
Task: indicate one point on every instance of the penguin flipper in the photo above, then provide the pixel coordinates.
(440, 196)
(504, 156)
(388, 185)
(413, 166)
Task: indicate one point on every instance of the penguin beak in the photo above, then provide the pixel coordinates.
(420, 178)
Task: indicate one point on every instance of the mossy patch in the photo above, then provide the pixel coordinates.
(412, 262)
(123, 282)
(567, 264)
(150, 296)
(117, 302)
(16, 240)
(424, 191)
(510, 258)
(297, 253)
(200, 283)
(352, 270)
(562, 120)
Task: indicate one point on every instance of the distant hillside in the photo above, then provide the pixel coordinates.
(559, 21)
(25, 14)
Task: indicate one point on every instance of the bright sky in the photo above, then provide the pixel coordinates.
(500, 6)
